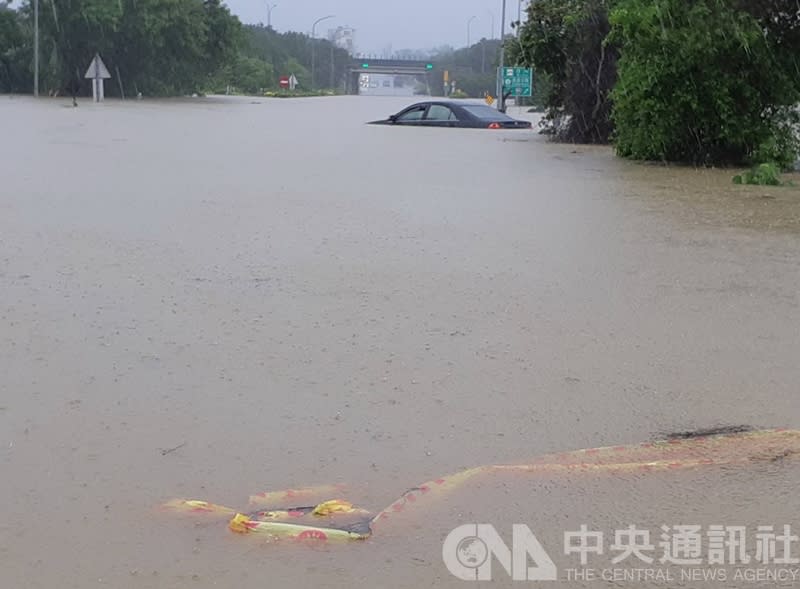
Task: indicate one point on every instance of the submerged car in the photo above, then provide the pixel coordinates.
(454, 114)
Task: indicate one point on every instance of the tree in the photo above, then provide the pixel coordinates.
(474, 68)
(72, 31)
(252, 75)
(564, 41)
(708, 82)
(162, 45)
(156, 46)
(15, 52)
(290, 53)
(225, 34)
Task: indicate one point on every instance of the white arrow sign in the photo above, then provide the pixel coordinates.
(97, 70)
(98, 74)
(292, 82)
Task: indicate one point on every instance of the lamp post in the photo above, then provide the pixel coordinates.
(270, 8)
(469, 24)
(36, 47)
(501, 100)
(313, 45)
(491, 16)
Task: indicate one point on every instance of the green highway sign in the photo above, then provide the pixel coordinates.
(517, 81)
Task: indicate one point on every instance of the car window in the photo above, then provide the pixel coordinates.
(439, 112)
(414, 114)
(486, 113)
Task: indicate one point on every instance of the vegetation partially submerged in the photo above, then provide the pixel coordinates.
(767, 174)
(157, 48)
(713, 82)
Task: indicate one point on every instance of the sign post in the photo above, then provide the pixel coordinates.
(98, 73)
(36, 48)
(293, 82)
(501, 102)
(517, 81)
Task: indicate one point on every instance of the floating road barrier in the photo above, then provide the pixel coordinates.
(277, 513)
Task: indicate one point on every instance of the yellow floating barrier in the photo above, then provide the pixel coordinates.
(338, 519)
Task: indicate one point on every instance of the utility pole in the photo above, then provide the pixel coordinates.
(270, 7)
(36, 48)
(501, 100)
(333, 64)
(313, 46)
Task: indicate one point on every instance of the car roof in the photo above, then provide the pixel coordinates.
(458, 105)
(447, 103)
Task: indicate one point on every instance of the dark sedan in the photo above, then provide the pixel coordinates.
(454, 114)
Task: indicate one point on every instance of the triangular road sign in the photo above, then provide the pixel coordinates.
(97, 69)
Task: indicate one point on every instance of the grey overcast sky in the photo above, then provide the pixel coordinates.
(401, 24)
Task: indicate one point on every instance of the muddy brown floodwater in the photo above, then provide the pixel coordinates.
(289, 297)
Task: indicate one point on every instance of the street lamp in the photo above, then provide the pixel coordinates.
(36, 47)
(313, 45)
(270, 7)
(469, 24)
(501, 100)
(491, 15)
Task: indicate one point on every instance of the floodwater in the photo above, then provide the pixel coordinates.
(214, 297)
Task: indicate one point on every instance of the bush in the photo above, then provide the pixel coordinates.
(702, 82)
(768, 174)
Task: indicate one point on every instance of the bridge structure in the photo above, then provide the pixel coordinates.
(365, 66)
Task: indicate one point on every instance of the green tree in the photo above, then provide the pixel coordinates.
(225, 34)
(473, 68)
(72, 31)
(290, 53)
(15, 52)
(156, 46)
(162, 45)
(705, 82)
(564, 41)
(252, 75)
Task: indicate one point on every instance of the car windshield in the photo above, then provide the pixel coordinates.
(486, 112)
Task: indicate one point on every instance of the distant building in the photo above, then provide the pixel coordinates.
(343, 38)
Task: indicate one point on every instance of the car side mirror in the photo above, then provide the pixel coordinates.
(393, 118)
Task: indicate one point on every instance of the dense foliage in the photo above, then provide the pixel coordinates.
(564, 42)
(711, 81)
(703, 82)
(156, 47)
(15, 50)
(288, 53)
